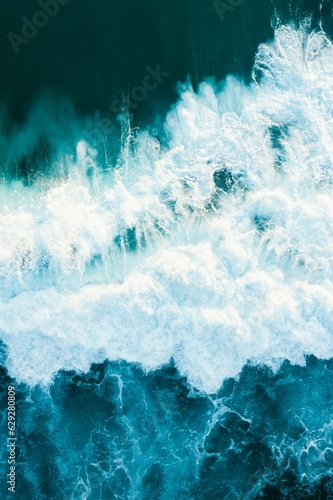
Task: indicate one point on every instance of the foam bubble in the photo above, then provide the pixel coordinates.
(215, 251)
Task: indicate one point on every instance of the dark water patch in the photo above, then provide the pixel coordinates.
(263, 223)
(223, 180)
(131, 240)
(278, 135)
(97, 53)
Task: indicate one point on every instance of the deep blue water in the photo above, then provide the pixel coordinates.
(145, 368)
(119, 433)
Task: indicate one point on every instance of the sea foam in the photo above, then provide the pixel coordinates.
(213, 250)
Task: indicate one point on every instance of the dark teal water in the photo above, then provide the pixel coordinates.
(118, 432)
(94, 52)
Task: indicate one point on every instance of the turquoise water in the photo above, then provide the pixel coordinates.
(166, 249)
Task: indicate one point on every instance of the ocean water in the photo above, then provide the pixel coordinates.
(166, 250)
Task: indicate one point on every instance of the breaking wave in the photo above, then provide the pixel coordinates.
(211, 245)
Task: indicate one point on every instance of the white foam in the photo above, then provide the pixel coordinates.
(216, 279)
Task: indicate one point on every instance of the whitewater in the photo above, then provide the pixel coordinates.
(212, 246)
